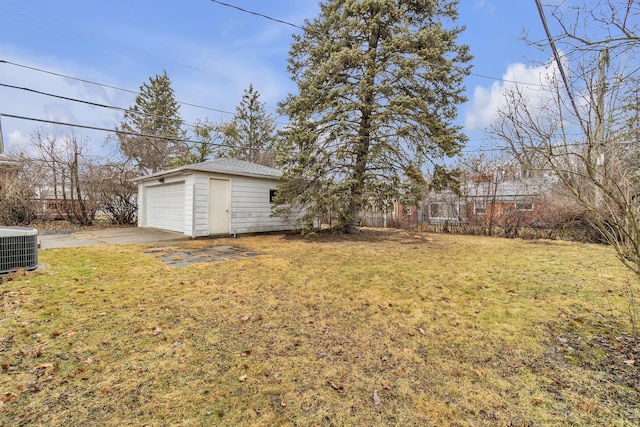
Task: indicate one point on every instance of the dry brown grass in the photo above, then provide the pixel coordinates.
(445, 330)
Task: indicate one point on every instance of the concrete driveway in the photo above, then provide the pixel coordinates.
(107, 236)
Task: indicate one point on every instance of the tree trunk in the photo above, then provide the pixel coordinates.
(364, 137)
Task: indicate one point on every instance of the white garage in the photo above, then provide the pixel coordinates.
(224, 196)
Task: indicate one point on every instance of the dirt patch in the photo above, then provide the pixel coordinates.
(181, 257)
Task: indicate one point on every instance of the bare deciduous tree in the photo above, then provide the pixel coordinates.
(582, 130)
(63, 163)
(114, 193)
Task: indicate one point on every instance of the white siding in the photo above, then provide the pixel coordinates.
(188, 206)
(201, 201)
(142, 217)
(250, 206)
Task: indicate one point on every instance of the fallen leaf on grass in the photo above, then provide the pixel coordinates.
(376, 399)
(630, 362)
(588, 408)
(41, 369)
(386, 386)
(335, 387)
(7, 397)
(242, 378)
(245, 319)
(45, 366)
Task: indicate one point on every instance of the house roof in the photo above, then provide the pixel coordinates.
(8, 163)
(509, 188)
(224, 166)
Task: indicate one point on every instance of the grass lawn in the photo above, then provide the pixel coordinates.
(383, 328)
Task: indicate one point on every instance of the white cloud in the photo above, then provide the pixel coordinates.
(486, 101)
(483, 4)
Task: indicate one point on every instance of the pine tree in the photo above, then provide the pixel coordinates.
(251, 132)
(378, 82)
(202, 146)
(153, 116)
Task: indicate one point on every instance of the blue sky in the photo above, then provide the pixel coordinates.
(211, 53)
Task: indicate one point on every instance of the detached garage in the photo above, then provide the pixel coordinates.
(224, 196)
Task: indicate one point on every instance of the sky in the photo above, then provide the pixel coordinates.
(212, 53)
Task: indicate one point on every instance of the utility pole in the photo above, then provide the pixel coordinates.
(1, 142)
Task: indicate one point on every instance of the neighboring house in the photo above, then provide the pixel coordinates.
(443, 208)
(395, 215)
(490, 200)
(8, 169)
(54, 206)
(224, 196)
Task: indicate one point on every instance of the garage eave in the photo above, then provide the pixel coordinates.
(221, 166)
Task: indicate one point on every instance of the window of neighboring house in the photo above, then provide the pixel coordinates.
(443, 210)
(524, 206)
(480, 208)
(407, 211)
(272, 195)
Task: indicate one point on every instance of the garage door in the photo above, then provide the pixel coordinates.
(165, 207)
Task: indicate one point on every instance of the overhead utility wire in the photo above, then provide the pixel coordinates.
(558, 60)
(95, 104)
(302, 28)
(280, 21)
(2, 61)
(170, 138)
(217, 110)
(66, 98)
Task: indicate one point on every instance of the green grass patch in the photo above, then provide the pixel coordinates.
(444, 330)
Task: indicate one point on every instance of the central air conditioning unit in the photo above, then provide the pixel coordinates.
(18, 249)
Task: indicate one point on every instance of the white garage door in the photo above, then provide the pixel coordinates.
(165, 207)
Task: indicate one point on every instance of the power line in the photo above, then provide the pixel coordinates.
(75, 125)
(217, 110)
(95, 104)
(483, 76)
(558, 60)
(2, 61)
(280, 21)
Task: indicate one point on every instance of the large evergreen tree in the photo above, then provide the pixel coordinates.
(379, 82)
(151, 134)
(251, 132)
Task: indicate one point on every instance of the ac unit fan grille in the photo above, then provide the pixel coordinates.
(18, 252)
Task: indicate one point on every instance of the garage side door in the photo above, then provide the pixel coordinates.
(165, 207)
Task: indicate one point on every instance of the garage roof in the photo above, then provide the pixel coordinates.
(225, 166)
